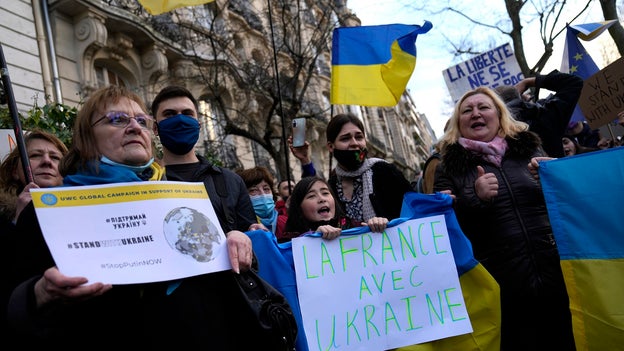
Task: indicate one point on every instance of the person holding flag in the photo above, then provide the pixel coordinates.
(546, 117)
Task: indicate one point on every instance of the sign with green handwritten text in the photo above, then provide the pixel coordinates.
(377, 291)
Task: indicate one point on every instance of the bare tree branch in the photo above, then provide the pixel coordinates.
(462, 14)
(301, 31)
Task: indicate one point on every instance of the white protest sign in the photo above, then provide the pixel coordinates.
(128, 233)
(7, 142)
(492, 68)
(377, 291)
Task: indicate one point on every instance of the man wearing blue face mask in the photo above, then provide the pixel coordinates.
(176, 113)
(260, 185)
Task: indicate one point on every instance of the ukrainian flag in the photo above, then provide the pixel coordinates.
(371, 65)
(584, 195)
(156, 7)
(481, 291)
(589, 31)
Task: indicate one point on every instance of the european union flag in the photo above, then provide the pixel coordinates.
(577, 61)
(371, 65)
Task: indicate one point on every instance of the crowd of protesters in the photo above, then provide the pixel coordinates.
(481, 162)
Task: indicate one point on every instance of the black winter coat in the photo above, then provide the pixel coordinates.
(549, 117)
(512, 237)
(237, 200)
(203, 312)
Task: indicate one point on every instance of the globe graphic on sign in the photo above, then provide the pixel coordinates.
(191, 233)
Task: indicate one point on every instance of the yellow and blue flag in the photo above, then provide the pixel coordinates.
(589, 31)
(584, 200)
(480, 290)
(156, 7)
(371, 65)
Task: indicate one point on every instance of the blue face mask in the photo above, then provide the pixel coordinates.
(263, 205)
(179, 133)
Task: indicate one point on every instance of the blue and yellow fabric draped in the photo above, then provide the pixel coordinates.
(156, 7)
(371, 65)
(584, 195)
(481, 292)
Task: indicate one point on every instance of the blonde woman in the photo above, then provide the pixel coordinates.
(501, 209)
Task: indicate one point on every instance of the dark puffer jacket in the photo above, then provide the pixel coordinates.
(549, 117)
(206, 311)
(512, 237)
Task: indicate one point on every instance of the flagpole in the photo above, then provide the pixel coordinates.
(279, 94)
(331, 155)
(611, 132)
(17, 126)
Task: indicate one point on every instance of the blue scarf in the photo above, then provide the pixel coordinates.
(270, 222)
(107, 174)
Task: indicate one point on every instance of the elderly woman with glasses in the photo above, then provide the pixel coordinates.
(112, 143)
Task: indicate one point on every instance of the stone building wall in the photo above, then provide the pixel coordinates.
(101, 42)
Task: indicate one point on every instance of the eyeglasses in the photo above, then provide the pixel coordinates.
(255, 190)
(121, 120)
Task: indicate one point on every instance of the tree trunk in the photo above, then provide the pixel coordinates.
(617, 32)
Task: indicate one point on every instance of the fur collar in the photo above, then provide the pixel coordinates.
(456, 160)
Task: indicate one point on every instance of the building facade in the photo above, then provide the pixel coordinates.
(227, 53)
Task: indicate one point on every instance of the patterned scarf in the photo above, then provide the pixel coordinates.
(366, 175)
(492, 152)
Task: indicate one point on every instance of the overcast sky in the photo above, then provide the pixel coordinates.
(434, 55)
